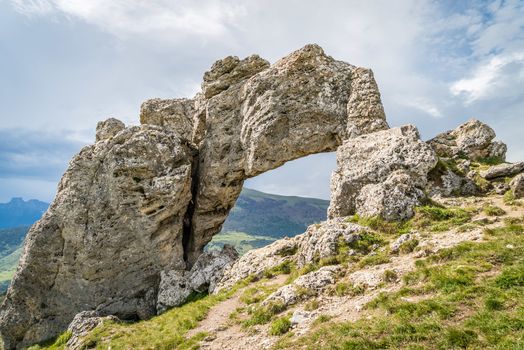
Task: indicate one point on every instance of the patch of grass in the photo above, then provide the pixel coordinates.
(490, 161)
(376, 259)
(438, 219)
(493, 210)
(312, 305)
(408, 246)
(470, 296)
(264, 314)
(390, 276)
(166, 331)
(378, 224)
(284, 268)
(280, 326)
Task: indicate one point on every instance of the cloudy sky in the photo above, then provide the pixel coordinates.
(65, 64)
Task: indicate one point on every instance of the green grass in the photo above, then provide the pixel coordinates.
(470, 296)
(166, 331)
(243, 242)
(280, 326)
(493, 210)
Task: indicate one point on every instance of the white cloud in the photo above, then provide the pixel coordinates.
(489, 78)
(165, 19)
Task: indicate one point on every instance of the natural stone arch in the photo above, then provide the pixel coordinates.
(252, 117)
(142, 202)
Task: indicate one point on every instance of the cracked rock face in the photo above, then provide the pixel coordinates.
(115, 223)
(472, 139)
(142, 202)
(382, 173)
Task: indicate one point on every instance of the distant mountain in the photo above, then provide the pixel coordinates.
(21, 213)
(264, 214)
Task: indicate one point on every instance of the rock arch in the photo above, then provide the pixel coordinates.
(144, 200)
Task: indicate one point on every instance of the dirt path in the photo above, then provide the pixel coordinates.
(223, 334)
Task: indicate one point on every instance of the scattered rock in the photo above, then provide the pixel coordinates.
(502, 170)
(500, 187)
(82, 324)
(517, 186)
(444, 182)
(396, 244)
(472, 139)
(300, 316)
(382, 173)
(305, 286)
(322, 240)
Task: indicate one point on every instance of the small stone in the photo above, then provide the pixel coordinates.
(300, 316)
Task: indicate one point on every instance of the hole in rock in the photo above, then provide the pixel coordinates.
(278, 203)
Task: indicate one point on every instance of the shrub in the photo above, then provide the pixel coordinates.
(280, 326)
(492, 210)
(390, 276)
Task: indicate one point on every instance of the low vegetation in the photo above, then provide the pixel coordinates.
(470, 296)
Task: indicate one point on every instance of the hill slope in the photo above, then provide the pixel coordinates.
(263, 214)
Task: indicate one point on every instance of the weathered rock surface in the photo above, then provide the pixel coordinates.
(319, 241)
(108, 128)
(517, 186)
(472, 139)
(151, 197)
(445, 182)
(176, 285)
(82, 324)
(115, 223)
(309, 284)
(502, 170)
(382, 173)
(252, 117)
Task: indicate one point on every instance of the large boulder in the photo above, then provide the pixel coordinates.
(116, 222)
(381, 174)
(502, 170)
(472, 139)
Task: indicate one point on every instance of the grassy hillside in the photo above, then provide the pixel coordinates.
(469, 295)
(243, 242)
(264, 214)
(11, 240)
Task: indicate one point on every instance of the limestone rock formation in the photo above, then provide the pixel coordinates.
(319, 241)
(311, 283)
(176, 285)
(134, 211)
(503, 170)
(252, 117)
(382, 173)
(82, 323)
(517, 186)
(116, 222)
(472, 139)
(446, 182)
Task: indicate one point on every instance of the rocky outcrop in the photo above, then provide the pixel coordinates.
(472, 139)
(320, 241)
(116, 222)
(517, 186)
(151, 197)
(310, 284)
(176, 285)
(502, 170)
(446, 180)
(82, 324)
(382, 174)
